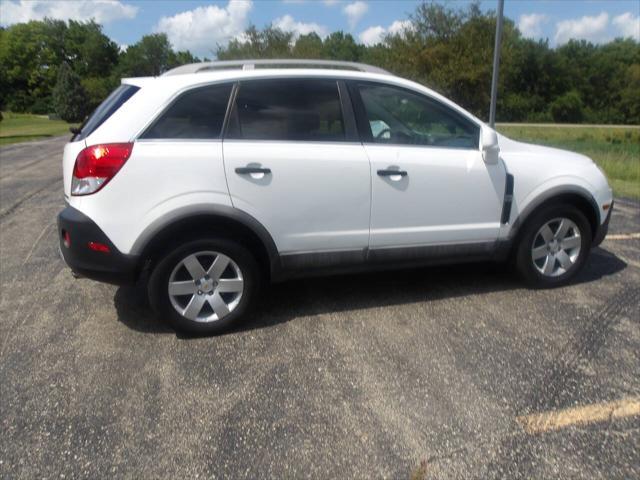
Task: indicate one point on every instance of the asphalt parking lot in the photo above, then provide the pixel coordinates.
(459, 369)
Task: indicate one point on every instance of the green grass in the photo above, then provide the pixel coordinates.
(21, 127)
(615, 150)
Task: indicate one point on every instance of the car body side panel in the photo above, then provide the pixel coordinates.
(160, 177)
(541, 173)
(316, 197)
(447, 196)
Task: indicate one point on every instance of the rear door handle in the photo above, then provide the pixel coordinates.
(390, 173)
(249, 170)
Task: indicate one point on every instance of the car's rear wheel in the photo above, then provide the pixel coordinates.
(553, 246)
(205, 286)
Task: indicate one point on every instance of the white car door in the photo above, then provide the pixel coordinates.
(293, 162)
(430, 185)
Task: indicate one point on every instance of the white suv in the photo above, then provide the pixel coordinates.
(217, 177)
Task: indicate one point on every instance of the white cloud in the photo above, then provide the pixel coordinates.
(288, 24)
(354, 12)
(373, 35)
(200, 30)
(530, 25)
(628, 25)
(399, 26)
(593, 29)
(376, 34)
(102, 11)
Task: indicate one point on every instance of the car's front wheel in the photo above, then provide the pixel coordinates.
(204, 286)
(553, 246)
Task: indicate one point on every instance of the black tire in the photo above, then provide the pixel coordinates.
(158, 287)
(523, 254)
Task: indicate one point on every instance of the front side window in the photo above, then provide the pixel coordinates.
(398, 116)
(288, 109)
(196, 114)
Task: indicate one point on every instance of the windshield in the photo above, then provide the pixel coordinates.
(108, 107)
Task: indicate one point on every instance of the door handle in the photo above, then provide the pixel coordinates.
(391, 173)
(249, 170)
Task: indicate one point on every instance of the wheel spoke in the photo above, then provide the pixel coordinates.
(539, 252)
(182, 288)
(194, 267)
(230, 285)
(571, 242)
(564, 259)
(549, 264)
(546, 233)
(194, 307)
(218, 267)
(218, 305)
(563, 228)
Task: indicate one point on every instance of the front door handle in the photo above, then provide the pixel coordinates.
(249, 170)
(391, 173)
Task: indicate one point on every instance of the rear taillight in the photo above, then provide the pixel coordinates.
(96, 165)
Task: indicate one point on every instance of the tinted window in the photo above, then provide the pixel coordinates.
(108, 107)
(198, 113)
(288, 109)
(399, 116)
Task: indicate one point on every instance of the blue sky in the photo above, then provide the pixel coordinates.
(200, 25)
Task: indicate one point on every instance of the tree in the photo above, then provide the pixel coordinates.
(308, 46)
(341, 46)
(568, 108)
(69, 98)
(268, 43)
(447, 49)
(151, 56)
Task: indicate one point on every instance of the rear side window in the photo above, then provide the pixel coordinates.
(108, 107)
(196, 114)
(288, 109)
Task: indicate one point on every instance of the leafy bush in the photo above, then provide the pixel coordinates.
(69, 97)
(41, 106)
(518, 107)
(567, 108)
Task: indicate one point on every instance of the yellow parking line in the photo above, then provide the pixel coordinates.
(623, 236)
(599, 412)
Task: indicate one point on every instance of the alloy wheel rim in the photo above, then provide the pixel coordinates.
(205, 286)
(556, 247)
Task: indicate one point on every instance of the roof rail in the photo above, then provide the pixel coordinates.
(273, 63)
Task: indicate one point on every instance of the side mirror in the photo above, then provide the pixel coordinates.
(490, 147)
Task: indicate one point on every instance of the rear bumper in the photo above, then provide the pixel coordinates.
(603, 229)
(112, 267)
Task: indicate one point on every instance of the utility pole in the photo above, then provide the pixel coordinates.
(496, 64)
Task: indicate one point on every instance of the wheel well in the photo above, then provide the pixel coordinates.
(574, 199)
(199, 226)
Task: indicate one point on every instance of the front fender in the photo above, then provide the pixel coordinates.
(526, 204)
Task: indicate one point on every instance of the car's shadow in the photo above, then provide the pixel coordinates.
(313, 296)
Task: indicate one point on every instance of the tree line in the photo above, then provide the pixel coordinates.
(449, 50)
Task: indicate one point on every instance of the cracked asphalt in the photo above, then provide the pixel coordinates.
(360, 376)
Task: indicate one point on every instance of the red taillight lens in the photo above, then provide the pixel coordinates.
(99, 247)
(98, 164)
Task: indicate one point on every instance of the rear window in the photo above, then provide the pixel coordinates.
(113, 102)
(196, 114)
(288, 109)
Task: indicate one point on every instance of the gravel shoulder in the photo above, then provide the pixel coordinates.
(346, 377)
